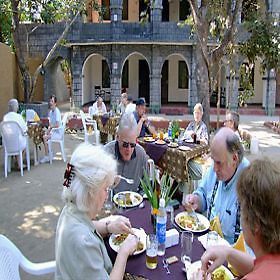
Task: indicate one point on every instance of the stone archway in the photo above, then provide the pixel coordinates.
(95, 78)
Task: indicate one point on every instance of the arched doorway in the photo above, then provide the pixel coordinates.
(136, 76)
(95, 79)
(175, 86)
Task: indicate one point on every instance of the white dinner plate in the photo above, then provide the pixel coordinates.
(173, 145)
(196, 265)
(193, 225)
(139, 232)
(134, 197)
(184, 148)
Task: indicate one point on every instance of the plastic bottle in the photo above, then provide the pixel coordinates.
(161, 227)
(169, 130)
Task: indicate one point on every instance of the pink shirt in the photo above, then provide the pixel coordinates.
(265, 267)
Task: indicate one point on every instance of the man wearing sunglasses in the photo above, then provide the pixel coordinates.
(131, 157)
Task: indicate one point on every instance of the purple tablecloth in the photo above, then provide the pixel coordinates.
(136, 265)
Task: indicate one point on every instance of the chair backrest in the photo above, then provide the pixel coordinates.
(30, 115)
(10, 259)
(83, 116)
(11, 133)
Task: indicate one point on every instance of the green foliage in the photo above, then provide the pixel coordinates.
(264, 42)
(5, 22)
(175, 129)
(246, 89)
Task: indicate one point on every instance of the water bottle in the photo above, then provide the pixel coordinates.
(161, 227)
(169, 130)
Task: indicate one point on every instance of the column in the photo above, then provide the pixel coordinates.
(156, 10)
(116, 10)
(155, 93)
(269, 91)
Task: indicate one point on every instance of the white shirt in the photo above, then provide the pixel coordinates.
(12, 116)
(130, 108)
(94, 110)
(54, 118)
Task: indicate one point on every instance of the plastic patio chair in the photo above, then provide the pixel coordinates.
(13, 139)
(11, 259)
(93, 136)
(58, 140)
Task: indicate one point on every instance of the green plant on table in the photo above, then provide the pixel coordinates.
(175, 128)
(150, 189)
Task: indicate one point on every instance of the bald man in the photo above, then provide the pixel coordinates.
(216, 195)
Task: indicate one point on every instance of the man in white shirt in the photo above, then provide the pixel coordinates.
(12, 115)
(54, 122)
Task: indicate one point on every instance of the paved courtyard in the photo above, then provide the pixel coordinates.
(30, 205)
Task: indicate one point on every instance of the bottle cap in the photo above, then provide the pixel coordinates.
(162, 202)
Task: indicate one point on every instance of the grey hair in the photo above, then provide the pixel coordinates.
(199, 107)
(234, 145)
(235, 118)
(13, 105)
(93, 167)
(127, 122)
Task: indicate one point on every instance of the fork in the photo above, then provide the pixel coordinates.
(165, 265)
(129, 181)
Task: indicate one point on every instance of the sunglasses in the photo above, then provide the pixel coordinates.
(127, 144)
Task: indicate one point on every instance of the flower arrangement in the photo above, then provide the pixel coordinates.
(157, 188)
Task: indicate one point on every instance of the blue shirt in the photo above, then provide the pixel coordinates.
(225, 202)
(144, 128)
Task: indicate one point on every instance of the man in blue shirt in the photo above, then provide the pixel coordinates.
(216, 195)
(143, 124)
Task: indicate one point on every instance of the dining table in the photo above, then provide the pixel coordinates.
(35, 131)
(140, 217)
(173, 160)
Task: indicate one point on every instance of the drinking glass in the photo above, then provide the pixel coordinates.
(151, 251)
(121, 202)
(186, 247)
(212, 238)
(170, 218)
(108, 204)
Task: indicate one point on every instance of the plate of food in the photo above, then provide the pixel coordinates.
(220, 273)
(189, 222)
(184, 148)
(127, 199)
(116, 240)
(149, 139)
(160, 142)
(173, 145)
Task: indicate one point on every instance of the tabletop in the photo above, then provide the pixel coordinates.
(136, 265)
(174, 161)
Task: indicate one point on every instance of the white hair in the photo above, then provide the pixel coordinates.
(127, 122)
(93, 167)
(199, 107)
(13, 105)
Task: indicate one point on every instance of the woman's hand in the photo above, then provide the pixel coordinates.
(129, 245)
(120, 225)
(213, 257)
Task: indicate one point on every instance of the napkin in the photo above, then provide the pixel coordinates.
(203, 241)
(215, 225)
(239, 245)
(36, 118)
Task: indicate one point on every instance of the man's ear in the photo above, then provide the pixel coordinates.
(235, 157)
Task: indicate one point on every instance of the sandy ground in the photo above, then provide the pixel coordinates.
(30, 205)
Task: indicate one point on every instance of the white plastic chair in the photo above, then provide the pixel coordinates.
(15, 142)
(11, 259)
(58, 140)
(92, 137)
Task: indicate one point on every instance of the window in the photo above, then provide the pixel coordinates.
(106, 9)
(125, 75)
(183, 75)
(185, 10)
(105, 74)
(125, 10)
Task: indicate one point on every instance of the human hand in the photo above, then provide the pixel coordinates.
(120, 225)
(129, 245)
(213, 257)
(191, 202)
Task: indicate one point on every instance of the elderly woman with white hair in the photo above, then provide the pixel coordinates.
(80, 249)
(197, 126)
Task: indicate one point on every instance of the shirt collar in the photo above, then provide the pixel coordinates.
(118, 154)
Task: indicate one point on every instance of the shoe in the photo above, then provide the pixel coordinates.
(45, 159)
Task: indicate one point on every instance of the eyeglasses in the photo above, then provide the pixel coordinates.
(127, 144)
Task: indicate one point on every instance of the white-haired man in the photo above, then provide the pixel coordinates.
(12, 115)
(131, 157)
